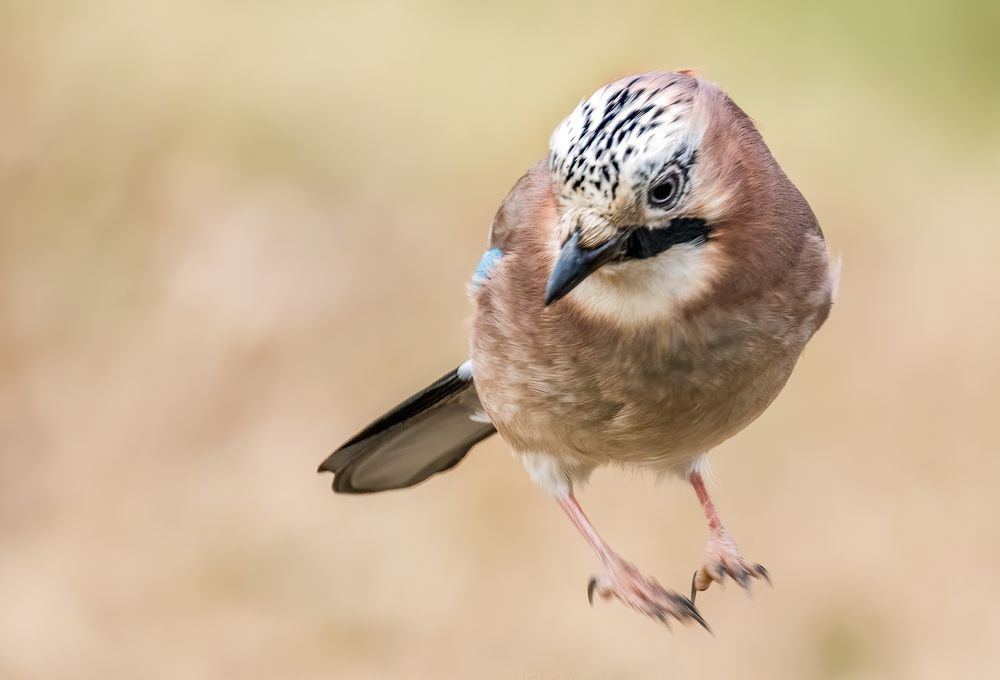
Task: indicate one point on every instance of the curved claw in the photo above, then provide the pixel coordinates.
(644, 595)
(742, 572)
(742, 576)
(693, 612)
(684, 610)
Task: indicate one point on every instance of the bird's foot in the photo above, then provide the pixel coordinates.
(643, 594)
(725, 559)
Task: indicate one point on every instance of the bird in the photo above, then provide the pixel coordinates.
(647, 290)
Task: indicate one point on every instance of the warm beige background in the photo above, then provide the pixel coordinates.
(232, 232)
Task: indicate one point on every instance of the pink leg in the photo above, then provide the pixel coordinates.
(622, 580)
(724, 557)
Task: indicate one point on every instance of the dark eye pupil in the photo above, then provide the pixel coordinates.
(662, 192)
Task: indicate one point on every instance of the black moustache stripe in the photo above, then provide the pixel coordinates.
(645, 242)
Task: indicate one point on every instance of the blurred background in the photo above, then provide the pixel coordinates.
(233, 232)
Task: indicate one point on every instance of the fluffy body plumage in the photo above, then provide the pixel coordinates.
(650, 362)
(647, 292)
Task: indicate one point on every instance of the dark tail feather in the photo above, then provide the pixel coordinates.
(428, 433)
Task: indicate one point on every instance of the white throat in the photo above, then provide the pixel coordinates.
(650, 290)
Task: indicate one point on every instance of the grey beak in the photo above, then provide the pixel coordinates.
(576, 263)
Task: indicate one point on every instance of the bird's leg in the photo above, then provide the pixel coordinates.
(724, 557)
(622, 580)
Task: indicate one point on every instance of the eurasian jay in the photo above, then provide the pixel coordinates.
(646, 293)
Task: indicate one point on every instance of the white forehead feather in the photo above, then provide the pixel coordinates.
(623, 134)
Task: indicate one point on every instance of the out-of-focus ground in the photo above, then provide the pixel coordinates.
(231, 233)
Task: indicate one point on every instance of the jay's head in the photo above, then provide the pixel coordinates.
(648, 175)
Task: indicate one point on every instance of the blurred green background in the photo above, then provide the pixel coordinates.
(232, 232)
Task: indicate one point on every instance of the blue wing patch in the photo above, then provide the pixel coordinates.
(486, 264)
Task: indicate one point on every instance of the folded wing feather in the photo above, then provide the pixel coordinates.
(428, 433)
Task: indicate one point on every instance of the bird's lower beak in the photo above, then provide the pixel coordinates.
(576, 263)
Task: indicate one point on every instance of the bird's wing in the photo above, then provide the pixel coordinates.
(428, 433)
(520, 207)
(433, 430)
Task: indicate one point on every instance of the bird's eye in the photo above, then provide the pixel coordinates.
(663, 194)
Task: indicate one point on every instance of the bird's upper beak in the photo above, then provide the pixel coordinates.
(576, 263)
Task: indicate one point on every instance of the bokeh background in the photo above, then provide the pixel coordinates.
(232, 232)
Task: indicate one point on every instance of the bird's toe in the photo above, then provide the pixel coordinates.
(644, 595)
(733, 566)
